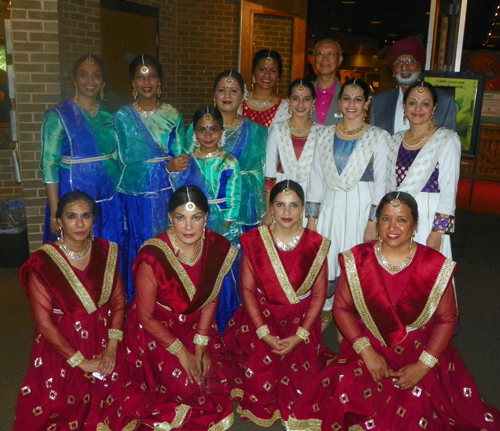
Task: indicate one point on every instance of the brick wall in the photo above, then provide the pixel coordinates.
(276, 33)
(9, 189)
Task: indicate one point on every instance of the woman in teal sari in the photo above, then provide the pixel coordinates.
(150, 137)
(246, 141)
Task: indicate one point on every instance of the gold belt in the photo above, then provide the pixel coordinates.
(69, 161)
(159, 159)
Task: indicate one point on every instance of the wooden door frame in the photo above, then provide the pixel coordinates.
(299, 50)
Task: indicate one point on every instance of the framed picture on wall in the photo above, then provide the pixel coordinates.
(468, 89)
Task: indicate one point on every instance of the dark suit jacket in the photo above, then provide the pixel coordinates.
(330, 116)
(383, 110)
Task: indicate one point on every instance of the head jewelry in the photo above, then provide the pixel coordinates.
(421, 88)
(229, 78)
(395, 203)
(353, 86)
(301, 86)
(269, 59)
(190, 206)
(207, 116)
(144, 68)
(90, 59)
(287, 190)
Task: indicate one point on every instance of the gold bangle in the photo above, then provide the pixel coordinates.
(326, 316)
(201, 340)
(302, 333)
(263, 331)
(115, 334)
(76, 359)
(360, 344)
(428, 359)
(175, 347)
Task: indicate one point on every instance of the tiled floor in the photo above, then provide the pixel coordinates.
(478, 288)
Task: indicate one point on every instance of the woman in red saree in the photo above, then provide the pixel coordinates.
(76, 294)
(178, 277)
(273, 345)
(396, 369)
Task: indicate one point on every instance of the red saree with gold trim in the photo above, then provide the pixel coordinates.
(174, 301)
(73, 310)
(284, 290)
(402, 315)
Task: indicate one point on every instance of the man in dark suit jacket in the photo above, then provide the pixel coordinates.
(406, 58)
(327, 58)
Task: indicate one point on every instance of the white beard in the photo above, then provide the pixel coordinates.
(406, 82)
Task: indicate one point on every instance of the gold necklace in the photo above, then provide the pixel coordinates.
(143, 112)
(201, 155)
(180, 254)
(92, 111)
(258, 103)
(385, 263)
(343, 129)
(413, 142)
(76, 255)
(234, 126)
(300, 132)
(289, 246)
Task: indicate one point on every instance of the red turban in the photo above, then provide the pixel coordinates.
(410, 46)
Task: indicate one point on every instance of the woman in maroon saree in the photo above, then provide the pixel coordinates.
(273, 345)
(396, 369)
(178, 277)
(78, 303)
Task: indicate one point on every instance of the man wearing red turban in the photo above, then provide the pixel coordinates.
(406, 58)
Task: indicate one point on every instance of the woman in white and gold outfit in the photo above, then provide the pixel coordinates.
(348, 179)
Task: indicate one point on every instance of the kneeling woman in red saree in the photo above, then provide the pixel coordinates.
(396, 369)
(273, 345)
(78, 303)
(178, 278)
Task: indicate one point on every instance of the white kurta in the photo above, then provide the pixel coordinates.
(442, 149)
(280, 150)
(345, 200)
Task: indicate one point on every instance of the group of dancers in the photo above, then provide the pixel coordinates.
(227, 239)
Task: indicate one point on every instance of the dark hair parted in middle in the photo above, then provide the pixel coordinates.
(210, 110)
(357, 82)
(233, 74)
(186, 194)
(71, 198)
(287, 184)
(303, 82)
(265, 53)
(421, 84)
(404, 198)
(144, 60)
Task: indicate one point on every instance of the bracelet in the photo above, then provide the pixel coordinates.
(312, 209)
(428, 359)
(115, 334)
(360, 344)
(326, 316)
(76, 359)
(201, 340)
(263, 331)
(175, 347)
(302, 333)
(373, 213)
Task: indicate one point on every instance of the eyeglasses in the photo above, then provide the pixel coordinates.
(408, 62)
(327, 54)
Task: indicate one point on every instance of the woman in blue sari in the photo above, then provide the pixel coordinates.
(246, 141)
(79, 152)
(150, 137)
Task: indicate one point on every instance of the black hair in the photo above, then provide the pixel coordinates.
(80, 60)
(303, 82)
(358, 82)
(421, 84)
(144, 60)
(287, 184)
(264, 53)
(71, 198)
(214, 112)
(236, 75)
(180, 197)
(404, 198)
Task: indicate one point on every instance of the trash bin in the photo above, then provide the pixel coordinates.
(14, 248)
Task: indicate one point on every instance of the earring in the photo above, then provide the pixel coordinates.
(289, 111)
(277, 86)
(339, 112)
(273, 220)
(313, 108)
(158, 91)
(364, 115)
(101, 93)
(134, 94)
(300, 223)
(75, 98)
(253, 81)
(61, 234)
(215, 104)
(92, 234)
(404, 118)
(432, 120)
(204, 231)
